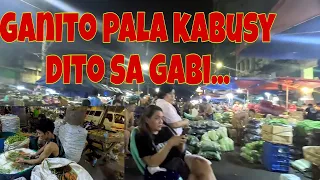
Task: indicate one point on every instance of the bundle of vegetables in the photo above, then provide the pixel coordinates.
(210, 150)
(302, 134)
(276, 122)
(16, 138)
(252, 151)
(305, 127)
(65, 173)
(198, 128)
(253, 131)
(218, 117)
(215, 141)
(227, 117)
(193, 144)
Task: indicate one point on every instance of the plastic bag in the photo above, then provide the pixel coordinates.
(251, 138)
(57, 124)
(10, 123)
(226, 144)
(205, 137)
(222, 132)
(289, 177)
(73, 139)
(253, 131)
(302, 165)
(255, 145)
(43, 171)
(213, 135)
(193, 149)
(16, 145)
(192, 140)
(209, 146)
(210, 155)
(248, 158)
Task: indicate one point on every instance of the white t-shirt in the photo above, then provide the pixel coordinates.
(170, 113)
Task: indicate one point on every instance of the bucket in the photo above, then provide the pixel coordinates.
(3, 137)
(2, 145)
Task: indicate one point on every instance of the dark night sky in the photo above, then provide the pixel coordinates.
(98, 7)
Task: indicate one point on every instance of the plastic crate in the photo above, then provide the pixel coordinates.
(276, 157)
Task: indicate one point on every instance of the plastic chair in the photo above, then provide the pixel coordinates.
(135, 154)
(134, 151)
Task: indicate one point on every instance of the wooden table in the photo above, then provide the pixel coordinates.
(107, 145)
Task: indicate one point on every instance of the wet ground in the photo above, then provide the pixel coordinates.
(231, 167)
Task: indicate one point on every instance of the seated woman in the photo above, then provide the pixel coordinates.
(158, 146)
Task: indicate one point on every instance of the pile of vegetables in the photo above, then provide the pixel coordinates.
(214, 142)
(252, 151)
(303, 128)
(276, 122)
(65, 173)
(198, 128)
(14, 155)
(16, 138)
(11, 158)
(225, 117)
(253, 131)
(193, 144)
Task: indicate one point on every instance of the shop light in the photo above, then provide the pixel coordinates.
(128, 94)
(260, 98)
(145, 67)
(199, 90)
(21, 87)
(275, 99)
(208, 97)
(157, 90)
(51, 91)
(268, 95)
(229, 96)
(239, 91)
(305, 90)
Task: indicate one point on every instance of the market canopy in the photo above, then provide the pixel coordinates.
(86, 87)
(295, 33)
(257, 85)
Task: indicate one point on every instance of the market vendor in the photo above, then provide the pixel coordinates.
(94, 99)
(118, 100)
(165, 101)
(129, 124)
(205, 109)
(53, 147)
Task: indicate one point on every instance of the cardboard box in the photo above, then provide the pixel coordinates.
(277, 134)
(298, 115)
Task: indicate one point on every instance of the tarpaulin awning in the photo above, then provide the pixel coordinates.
(257, 85)
(295, 33)
(86, 86)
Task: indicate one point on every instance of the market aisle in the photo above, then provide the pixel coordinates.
(95, 172)
(231, 167)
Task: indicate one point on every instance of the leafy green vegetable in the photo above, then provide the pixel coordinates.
(4, 171)
(16, 138)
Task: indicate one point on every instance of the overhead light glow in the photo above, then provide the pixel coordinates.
(21, 87)
(145, 67)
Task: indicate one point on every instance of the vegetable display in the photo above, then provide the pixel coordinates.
(252, 151)
(16, 138)
(65, 173)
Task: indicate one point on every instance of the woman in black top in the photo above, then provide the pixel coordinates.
(158, 146)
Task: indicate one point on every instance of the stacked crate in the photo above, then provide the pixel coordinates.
(276, 157)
